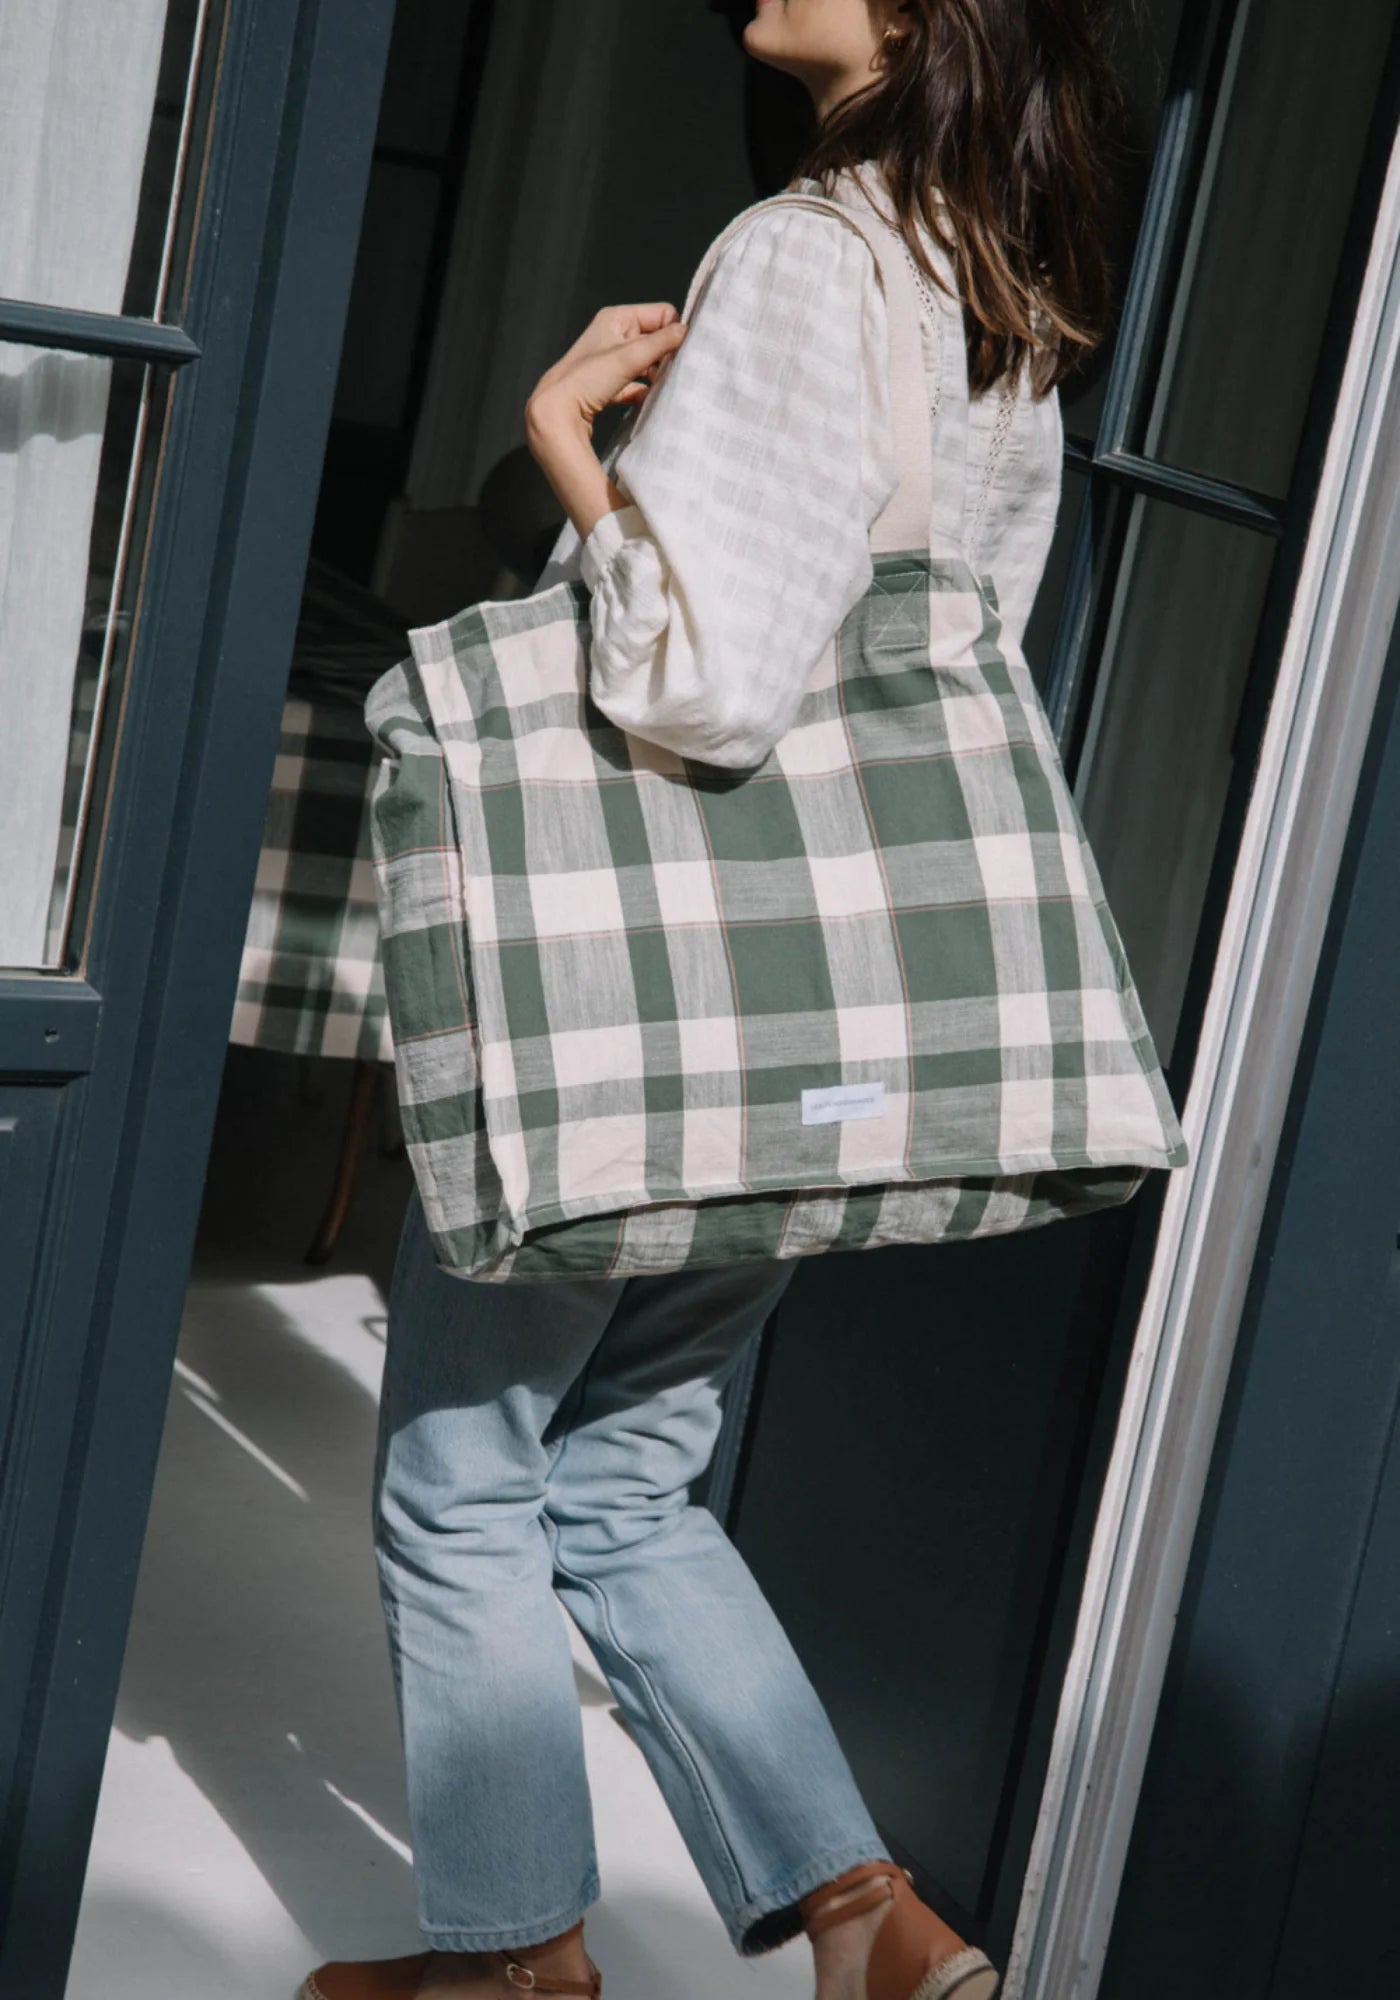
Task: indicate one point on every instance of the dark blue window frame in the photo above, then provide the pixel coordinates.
(110, 1071)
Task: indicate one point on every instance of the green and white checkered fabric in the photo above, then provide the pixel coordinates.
(311, 980)
(651, 1014)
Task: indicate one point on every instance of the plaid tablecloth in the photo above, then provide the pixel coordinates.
(311, 981)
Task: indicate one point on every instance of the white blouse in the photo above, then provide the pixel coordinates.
(765, 456)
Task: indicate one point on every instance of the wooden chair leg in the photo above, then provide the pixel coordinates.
(359, 1121)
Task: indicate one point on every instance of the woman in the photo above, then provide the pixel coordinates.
(541, 1443)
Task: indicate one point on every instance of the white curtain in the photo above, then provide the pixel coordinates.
(77, 86)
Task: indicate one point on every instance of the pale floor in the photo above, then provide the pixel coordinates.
(252, 1818)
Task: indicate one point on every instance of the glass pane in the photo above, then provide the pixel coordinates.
(92, 108)
(1160, 747)
(1278, 185)
(1045, 612)
(90, 626)
(154, 284)
(1142, 55)
(95, 139)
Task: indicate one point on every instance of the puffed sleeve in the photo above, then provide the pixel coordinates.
(762, 457)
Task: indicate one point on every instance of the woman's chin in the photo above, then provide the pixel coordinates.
(760, 42)
(761, 33)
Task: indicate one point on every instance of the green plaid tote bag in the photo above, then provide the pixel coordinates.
(650, 1014)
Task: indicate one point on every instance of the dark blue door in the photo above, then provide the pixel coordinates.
(163, 404)
(1267, 1840)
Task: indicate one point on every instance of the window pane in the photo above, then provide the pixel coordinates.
(97, 142)
(178, 120)
(84, 630)
(1142, 55)
(92, 103)
(1049, 599)
(1259, 267)
(1160, 746)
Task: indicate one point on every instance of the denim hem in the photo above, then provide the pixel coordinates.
(770, 1919)
(441, 1938)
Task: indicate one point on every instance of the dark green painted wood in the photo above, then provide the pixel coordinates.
(1266, 1850)
(29, 1125)
(299, 90)
(1350, 1849)
(48, 1027)
(1192, 489)
(1278, 610)
(95, 333)
(1192, 92)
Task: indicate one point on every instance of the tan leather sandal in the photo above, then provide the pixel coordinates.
(914, 1955)
(402, 1978)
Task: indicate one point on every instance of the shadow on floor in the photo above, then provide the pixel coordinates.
(257, 1655)
(646, 1947)
(257, 1645)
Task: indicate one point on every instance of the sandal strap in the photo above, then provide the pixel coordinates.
(539, 1982)
(520, 1972)
(831, 1904)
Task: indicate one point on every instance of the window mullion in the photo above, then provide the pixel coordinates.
(1219, 497)
(1201, 41)
(110, 334)
(1073, 669)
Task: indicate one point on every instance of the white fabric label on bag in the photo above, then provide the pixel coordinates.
(840, 1101)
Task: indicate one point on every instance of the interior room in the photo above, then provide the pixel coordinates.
(252, 1818)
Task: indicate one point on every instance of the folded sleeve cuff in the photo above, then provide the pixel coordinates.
(612, 531)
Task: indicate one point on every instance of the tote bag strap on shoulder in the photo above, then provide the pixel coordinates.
(926, 509)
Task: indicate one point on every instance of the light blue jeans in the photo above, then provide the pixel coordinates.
(542, 1439)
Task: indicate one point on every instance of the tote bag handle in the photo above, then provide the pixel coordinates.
(907, 520)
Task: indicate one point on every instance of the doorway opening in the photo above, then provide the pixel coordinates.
(253, 1787)
(252, 1819)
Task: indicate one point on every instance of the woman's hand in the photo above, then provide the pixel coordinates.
(614, 360)
(617, 359)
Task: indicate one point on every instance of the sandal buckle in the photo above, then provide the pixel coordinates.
(518, 1974)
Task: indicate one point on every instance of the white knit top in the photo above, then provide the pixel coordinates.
(765, 456)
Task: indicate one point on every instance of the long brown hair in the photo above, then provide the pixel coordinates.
(1007, 110)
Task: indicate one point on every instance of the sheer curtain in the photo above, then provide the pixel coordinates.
(77, 86)
(522, 228)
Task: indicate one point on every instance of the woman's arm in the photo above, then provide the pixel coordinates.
(733, 537)
(614, 360)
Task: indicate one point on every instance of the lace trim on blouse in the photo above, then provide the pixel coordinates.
(934, 308)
